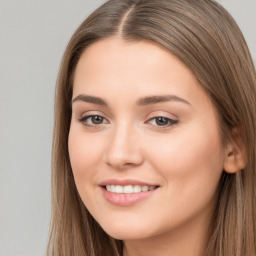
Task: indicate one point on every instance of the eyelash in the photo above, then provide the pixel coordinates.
(84, 120)
(170, 121)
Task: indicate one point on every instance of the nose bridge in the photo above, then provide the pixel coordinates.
(123, 147)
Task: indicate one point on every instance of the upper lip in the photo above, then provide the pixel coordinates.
(125, 182)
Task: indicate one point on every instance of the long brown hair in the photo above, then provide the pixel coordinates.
(205, 37)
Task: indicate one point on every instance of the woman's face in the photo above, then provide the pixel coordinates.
(144, 143)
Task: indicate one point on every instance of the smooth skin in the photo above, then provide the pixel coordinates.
(175, 144)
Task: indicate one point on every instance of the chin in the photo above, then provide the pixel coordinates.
(126, 235)
(127, 230)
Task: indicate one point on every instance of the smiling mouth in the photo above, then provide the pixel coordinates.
(129, 189)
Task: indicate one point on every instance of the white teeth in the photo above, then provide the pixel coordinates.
(144, 188)
(128, 189)
(136, 188)
(119, 189)
(113, 188)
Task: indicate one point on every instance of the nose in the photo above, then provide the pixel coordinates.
(123, 149)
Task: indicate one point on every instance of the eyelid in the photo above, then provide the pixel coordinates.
(90, 114)
(171, 120)
(93, 113)
(162, 114)
(153, 116)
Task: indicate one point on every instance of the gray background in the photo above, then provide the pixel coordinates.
(33, 36)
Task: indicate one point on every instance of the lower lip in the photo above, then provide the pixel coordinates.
(123, 199)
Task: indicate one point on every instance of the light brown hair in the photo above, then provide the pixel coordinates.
(205, 37)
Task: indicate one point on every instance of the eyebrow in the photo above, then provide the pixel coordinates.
(149, 100)
(90, 99)
(159, 99)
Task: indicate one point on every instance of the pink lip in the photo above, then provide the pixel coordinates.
(125, 182)
(123, 199)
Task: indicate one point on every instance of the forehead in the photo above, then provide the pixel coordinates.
(119, 54)
(116, 67)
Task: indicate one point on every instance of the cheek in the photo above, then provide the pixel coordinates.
(85, 153)
(180, 151)
(190, 162)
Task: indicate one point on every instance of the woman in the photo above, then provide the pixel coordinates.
(154, 137)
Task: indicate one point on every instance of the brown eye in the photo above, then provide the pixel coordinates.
(161, 121)
(93, 120)
(97, 119)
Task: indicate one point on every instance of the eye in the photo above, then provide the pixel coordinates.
(162, 121)
(93, 120)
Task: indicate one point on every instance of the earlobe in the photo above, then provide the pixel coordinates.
(235, 156)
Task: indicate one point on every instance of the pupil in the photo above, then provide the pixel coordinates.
(161, 121)
(97, 119)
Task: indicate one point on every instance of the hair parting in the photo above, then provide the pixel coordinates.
(204, 36)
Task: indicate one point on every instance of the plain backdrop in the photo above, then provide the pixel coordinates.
(33, 36)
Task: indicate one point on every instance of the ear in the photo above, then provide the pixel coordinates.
(235, 155)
